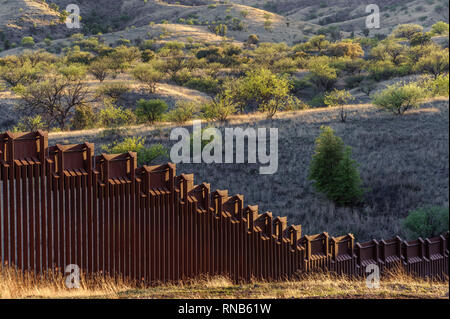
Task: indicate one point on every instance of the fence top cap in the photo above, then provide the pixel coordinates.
(282, 220)
(414, 242)
(124, 156)
(161, 168)
(316, 236)
(237, 197)
(220, 193)
(391, 241)
(14, 135)
(252, 208)
(294, 228)
(205, 185)
(373, 242)
(433, 239)
(267, 214)
(340, 238)
(187, 177)
(66, 147)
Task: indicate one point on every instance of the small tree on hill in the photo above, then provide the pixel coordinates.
(100, 68)
(435, 63)
(28, 42)
(253, 39)
(399, 98)
(346, 188)
(147, 74)
(332, 170)
(406, 30)
(220, 108)
(150, 110)
(439, 28)
(339, 98)
(327, 155)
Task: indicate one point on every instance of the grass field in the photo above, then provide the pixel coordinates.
(398, 286)
(403, 163)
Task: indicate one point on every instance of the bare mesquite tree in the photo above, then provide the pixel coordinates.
(54, 99)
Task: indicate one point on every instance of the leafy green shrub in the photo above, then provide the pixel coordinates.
(84, 118)
(435, 63)
(184, 111)
(389, 51)
(75, 55)
(439, 28)
(148, 55)
(27, 42)
(339, 98)
(398, 98)
(125, 42)
(438, 86)
(346, 187)
(182, 76)
(261, 89)
(382, 70)
(420, 39)
(220, 108)
(322, 74)
(150, 110)
(345, 49)
(427, 222)
(332, 170)
(115, 116)
(148, 75)
(30, 124)
(253, 39)
(145, 156)
(100, 68)
(56, 96)
(406, 30)
(114, 90)
(206, 84)
(15, 73)
(123, 57)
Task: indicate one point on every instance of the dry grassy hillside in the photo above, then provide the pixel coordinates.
(273, 21)
(403, 163)
(19, 18)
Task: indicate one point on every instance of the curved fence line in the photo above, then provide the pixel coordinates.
(61, 206)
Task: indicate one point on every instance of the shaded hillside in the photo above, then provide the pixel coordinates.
(404, 164)
(290, 21)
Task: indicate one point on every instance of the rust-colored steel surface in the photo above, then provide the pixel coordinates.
(59, 206)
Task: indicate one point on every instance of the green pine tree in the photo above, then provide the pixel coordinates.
(346, 188)
(328, 153)
(332, 170)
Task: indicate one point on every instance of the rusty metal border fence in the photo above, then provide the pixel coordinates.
(61, 206)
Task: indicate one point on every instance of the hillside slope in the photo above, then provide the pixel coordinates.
(403, 164)
(289, 21)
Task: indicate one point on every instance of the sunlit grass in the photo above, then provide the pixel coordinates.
(15, 284)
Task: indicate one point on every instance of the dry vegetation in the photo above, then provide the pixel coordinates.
(403, 163)
(393, 286)
(290, 20)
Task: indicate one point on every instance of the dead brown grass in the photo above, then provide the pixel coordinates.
(18, 285)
